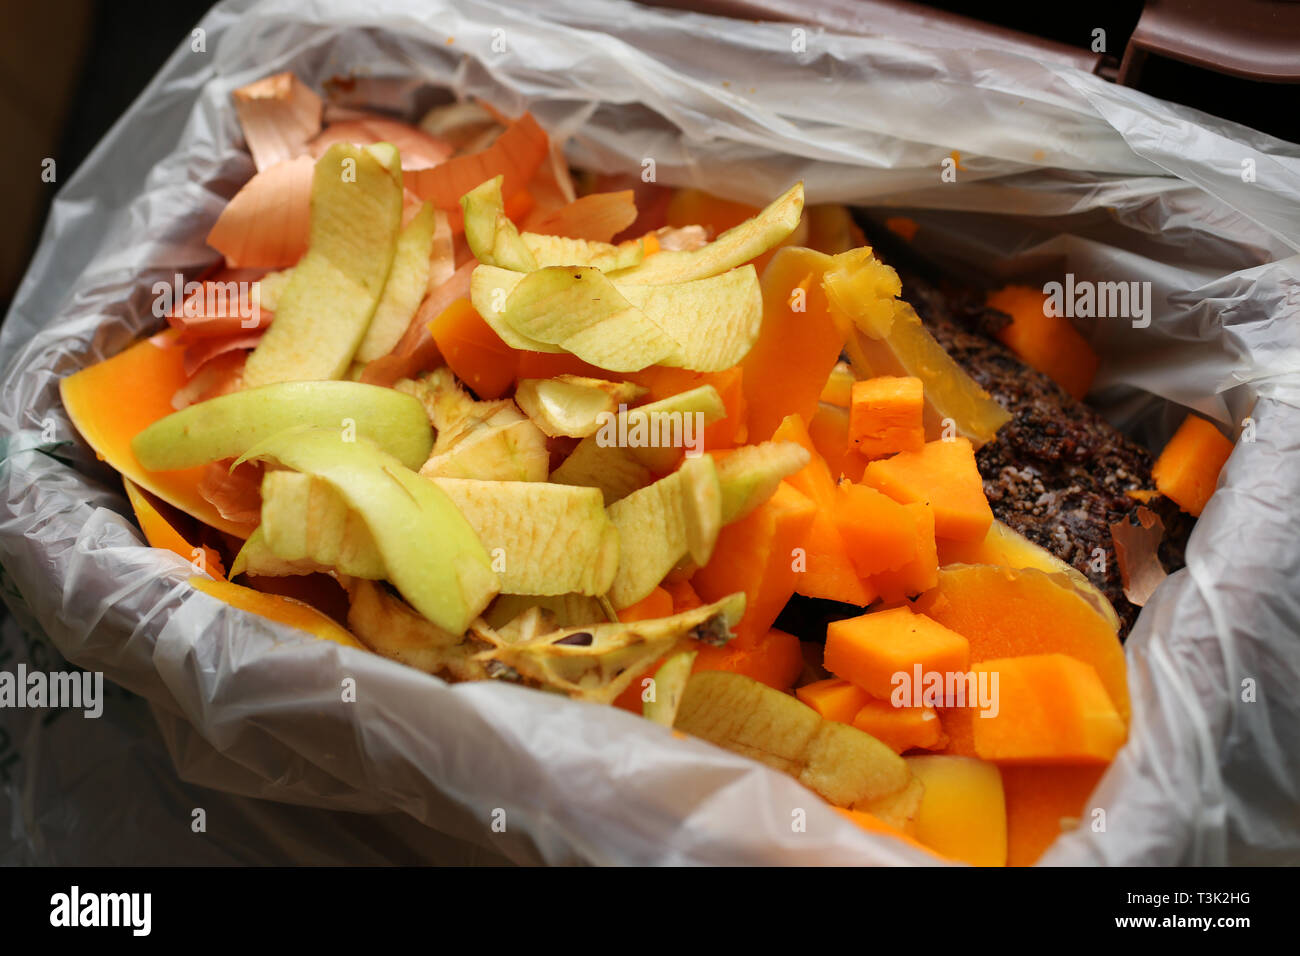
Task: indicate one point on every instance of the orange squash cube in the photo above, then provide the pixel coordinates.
(879, 533)
(1050, 709)
(833, 698)
(829, 431)
(885, 415)
(900, 728)
(1187, 471)
(1048, 343)
(921, 572)
(1006, 612)
(755, 555)
(828, 571)
(869, 650)
(943, 474)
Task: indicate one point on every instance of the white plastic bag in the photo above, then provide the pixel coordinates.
(1059, 171)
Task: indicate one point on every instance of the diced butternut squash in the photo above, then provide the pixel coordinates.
(814, 479)
(921, 572)
(1042, 803)
(775, 659)
(756, 555)
(112, 401)
(963, 813)
(869, 650)
(1006, 612)
(838, 390)
(1051, 709)
(943, 474)
(473, 351)
(834, 698)
(829, 430)
(900, 728)
(797, 346)
(1187, 471)
(886, 415)
(658, 603)
(826, 571)
(1048, 343)
(951, 395)
(829, 572)
(879, 533)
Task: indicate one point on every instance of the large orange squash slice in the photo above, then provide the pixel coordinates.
(1007, 612)
(112, 401)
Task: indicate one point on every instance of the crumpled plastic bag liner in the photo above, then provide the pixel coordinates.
(1059, 171)
(104, 792)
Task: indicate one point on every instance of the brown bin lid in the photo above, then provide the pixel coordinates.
(1254, 39)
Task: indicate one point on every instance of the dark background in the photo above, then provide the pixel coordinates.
(69, 68)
